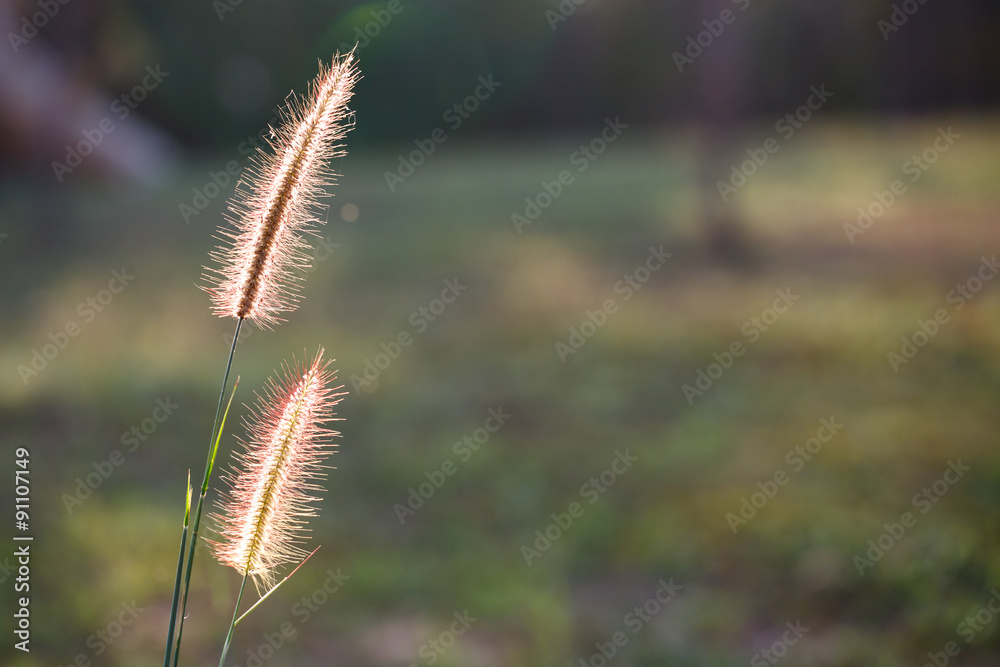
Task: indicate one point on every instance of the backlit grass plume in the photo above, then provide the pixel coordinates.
(255, 277)
(262, 518)
(275, 203)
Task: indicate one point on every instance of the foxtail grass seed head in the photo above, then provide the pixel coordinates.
(261, 518)
(275, 205)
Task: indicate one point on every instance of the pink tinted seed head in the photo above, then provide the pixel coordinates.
(275, 204)
(271, 485)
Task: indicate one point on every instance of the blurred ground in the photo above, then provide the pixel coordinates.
(663, 518)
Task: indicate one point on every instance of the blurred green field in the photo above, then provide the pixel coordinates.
(665, 517)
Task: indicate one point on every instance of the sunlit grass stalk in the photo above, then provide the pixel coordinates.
(257, 268)
(177, 579)
(262, 517)
(213, 450)
(232, 624)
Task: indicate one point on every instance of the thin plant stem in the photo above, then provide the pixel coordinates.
(213, 446)
(275, 587)
(232, 625)
(177, 579)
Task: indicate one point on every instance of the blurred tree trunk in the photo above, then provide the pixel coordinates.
(49, 106)
(720, 100)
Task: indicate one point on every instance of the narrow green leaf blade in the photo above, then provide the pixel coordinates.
(275, 587)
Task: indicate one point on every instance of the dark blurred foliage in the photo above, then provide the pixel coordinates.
(606, 58)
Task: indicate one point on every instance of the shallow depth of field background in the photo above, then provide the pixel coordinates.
(388, 252)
